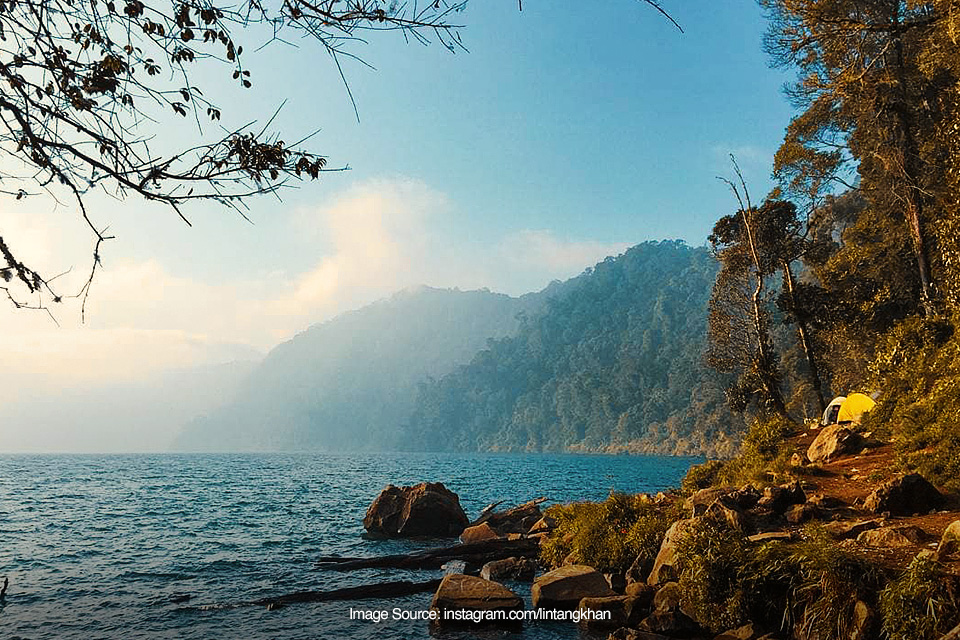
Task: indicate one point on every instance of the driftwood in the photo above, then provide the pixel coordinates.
(514, 520)
(487, 509)
(382, 590)
(476, 553)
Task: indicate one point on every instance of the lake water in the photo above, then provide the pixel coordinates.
(134, 546)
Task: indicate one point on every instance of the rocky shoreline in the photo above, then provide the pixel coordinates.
(838, 498)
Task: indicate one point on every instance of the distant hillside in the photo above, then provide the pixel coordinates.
(614, 363)
(348, 384)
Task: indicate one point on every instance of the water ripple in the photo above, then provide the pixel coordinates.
(132, 546)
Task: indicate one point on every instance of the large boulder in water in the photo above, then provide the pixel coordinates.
(426, 509)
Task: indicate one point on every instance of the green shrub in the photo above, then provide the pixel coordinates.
(762, 454)
(918, 370)
(921, 604)
(702, 476)
(710, 561)
(813, 585)
(829, 581)
(772, 576)
(608, 535)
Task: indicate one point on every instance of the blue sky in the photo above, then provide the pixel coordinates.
(559, 137)
(609, 127)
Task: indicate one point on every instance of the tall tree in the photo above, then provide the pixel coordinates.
(783, 237)
(866, 103)
(739, 335)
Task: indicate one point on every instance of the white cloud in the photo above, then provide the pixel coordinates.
(374, 239)
(540, 256)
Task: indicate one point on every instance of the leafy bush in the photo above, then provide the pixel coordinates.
(762, 456)
(608, 535)
(918, 369)
(921, 604)
(710, 561)
(702, 476)
(829, 582)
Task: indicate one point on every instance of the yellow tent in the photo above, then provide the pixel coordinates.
(855, 406)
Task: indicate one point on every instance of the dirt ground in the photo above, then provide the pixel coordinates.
(850, 479)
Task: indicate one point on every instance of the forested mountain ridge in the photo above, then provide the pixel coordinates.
(613, 363)
(347, 383)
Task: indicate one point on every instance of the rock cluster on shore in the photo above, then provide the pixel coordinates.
(646, 602)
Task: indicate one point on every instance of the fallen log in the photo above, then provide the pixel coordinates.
(379, 591)
(382, 590)
(517, 519)
(477, 553)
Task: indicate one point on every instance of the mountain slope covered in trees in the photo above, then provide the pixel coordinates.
(614, 363)
(346, 384)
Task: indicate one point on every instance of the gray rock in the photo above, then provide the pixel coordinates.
(892, 537)
(746, 632)
(641, 590)
(863, 623)
(950, 540)
(833, 442)
(667, 598)
(729, 513)
(850, 529)
(703, 499)
(663, 569)
(617, 581)
(800, 513)
(478, 533)
(904, 496)
(634, 634)
(674, 624)
(565, 587)
(624, 612)
(519, 569)
(426, 509)
(779, 499)
(458, 591)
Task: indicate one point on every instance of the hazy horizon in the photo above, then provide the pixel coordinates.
(549, 145)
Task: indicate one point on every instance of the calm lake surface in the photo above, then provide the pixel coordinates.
(134, 546)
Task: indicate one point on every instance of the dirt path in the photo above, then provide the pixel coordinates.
(850, 479)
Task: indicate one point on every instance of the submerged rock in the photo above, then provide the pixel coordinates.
(520, 569)
(426, 509)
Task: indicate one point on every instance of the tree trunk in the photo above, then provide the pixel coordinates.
(907, 148)
(767, 377)
(803, 333)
